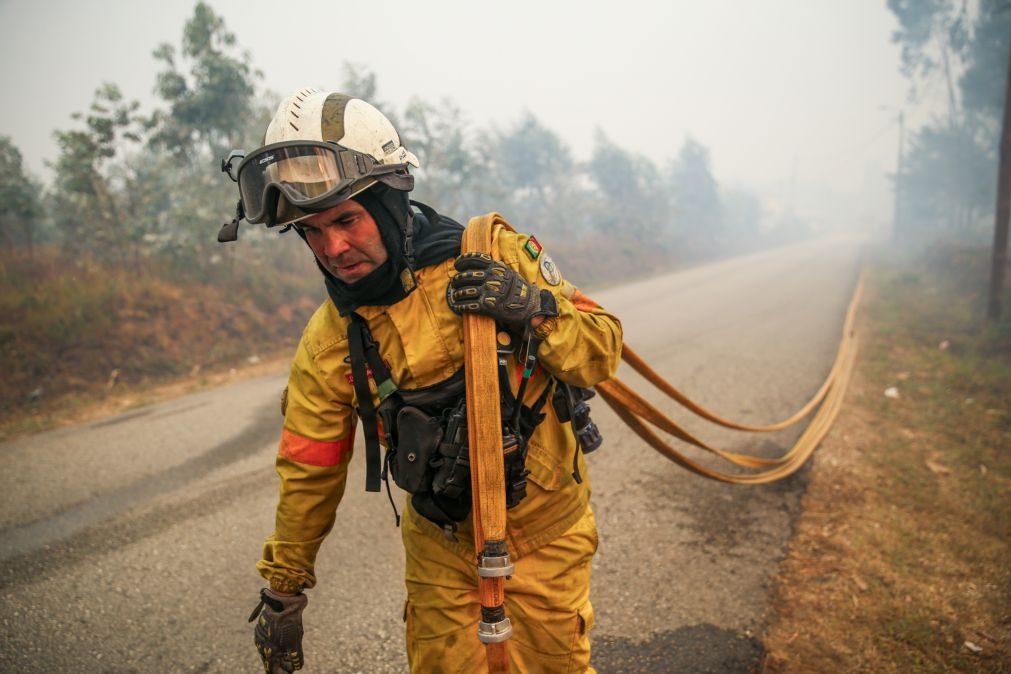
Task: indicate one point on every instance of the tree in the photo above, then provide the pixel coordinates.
(360, 82)
(453, 171)
(530, 157)
(965, 43)
(631, 199)
(208, 86)
(932, 35)
(530, 173)
(948, 182)
(949, 175)
(210, 107)
(697, 211)
(90, 202)
(986, 65)
(20, 210)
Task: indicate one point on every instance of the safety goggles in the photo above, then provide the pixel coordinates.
(311, 175)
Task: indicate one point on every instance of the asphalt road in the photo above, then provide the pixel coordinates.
(128, 545)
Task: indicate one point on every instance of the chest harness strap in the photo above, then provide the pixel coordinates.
(362, 350)
(519, 420)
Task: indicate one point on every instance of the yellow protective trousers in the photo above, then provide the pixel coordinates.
(547, 600)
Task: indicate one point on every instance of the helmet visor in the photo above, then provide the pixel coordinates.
(309, 175)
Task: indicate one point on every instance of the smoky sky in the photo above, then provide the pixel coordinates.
(796, 99)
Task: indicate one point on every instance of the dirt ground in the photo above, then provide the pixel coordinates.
(900, 559)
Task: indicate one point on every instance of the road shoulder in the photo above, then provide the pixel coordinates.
(102, 401)
(899, 560)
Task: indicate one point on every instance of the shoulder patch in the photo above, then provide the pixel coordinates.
(549, 271)
(533, 248)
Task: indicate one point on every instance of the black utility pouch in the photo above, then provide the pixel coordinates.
(452, 474)
(452, 466)
(418, 438)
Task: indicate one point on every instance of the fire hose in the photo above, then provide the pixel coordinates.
(487, 474)
(636, 412)
(485, 424)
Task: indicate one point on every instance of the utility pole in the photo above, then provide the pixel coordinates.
(1003, 208)
(897, 222)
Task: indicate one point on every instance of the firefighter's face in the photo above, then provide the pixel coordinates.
(346, 240)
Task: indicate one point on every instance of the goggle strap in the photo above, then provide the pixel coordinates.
(354, 165)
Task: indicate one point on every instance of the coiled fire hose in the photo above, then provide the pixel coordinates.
(485, 425)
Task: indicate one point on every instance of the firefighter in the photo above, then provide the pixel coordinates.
(385, 351)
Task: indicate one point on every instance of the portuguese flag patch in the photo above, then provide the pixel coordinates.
(533, 248)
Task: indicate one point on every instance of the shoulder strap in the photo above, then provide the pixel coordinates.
(362, 349)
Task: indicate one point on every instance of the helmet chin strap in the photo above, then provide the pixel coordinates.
(408, 232)
(398, 205)
(230, 230)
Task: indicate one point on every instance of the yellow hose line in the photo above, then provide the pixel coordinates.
(793, 460)
(618, 391)
(640, 366)
(634, 410)
(484, 432)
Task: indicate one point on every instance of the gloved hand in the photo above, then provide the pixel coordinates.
(278, 632)
(486, 286)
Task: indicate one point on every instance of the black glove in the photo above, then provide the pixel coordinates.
(278, 632)
(486, 286)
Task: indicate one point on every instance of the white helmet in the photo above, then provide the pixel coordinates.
(311, 114)
(321, 148)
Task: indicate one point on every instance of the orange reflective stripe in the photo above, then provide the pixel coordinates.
(315, 452)
(582, 302)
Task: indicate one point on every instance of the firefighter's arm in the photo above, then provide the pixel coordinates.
(312, 462)
(583, 346)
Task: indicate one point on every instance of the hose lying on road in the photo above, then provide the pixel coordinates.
(634, 410)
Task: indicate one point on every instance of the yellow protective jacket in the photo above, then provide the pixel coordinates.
(421, 341)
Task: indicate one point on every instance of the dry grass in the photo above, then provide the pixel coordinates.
(81, 338)
(900, 560)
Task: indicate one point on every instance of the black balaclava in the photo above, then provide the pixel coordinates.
(435, 238)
